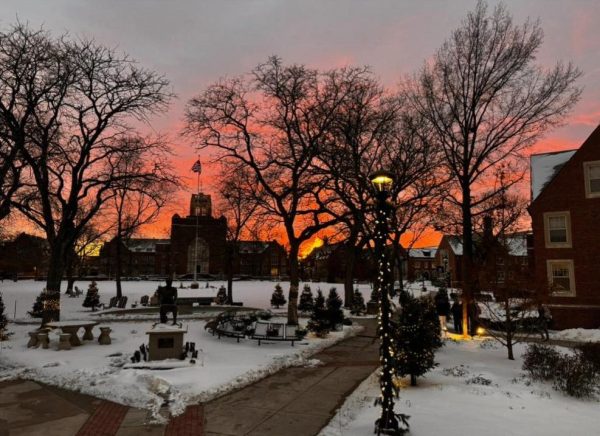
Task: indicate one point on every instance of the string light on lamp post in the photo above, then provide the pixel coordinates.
(389, 423)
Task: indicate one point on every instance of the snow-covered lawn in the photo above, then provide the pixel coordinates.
(255, 294)
(449, 400)
(97, 370)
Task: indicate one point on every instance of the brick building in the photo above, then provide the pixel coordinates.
(565, 212)
(138, 257)
(24, 256)
(421, 264)
(261, 259)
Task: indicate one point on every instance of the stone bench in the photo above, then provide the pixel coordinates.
(104, 338)
(64, 341)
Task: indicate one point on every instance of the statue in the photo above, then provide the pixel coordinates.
(167, 296)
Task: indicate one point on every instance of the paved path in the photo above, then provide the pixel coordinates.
(294, 401)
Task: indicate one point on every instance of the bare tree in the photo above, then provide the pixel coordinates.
(275, 122)
(73, 134)
(239, 206)
(487, 103)
(137, 200)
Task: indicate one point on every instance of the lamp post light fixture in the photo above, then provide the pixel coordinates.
(388, 422)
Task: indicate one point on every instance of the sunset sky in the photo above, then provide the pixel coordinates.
(195, 42)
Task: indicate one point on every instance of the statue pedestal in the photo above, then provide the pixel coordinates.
(165, 342)
(372, 307)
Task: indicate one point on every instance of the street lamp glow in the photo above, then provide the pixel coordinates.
(382, 180)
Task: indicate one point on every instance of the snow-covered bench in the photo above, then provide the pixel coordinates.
(272, 331)
(231, 329)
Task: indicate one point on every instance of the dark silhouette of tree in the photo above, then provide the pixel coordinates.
(487, 102)
(77, 100)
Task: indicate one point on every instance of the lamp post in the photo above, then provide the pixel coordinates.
(388, 421)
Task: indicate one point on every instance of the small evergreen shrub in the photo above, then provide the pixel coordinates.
(358, 303)
(540, 361)
(576, 377)
(92, 299)
(415, 336)
(3, 320)
(37, 311)
(590, 351)
(318, 323)
(278, 299)
(221, 297)
(334, 312)
(306, 300)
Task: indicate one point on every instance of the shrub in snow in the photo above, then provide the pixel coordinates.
(221, 297)
(334, 313)
(479, 380)
(540, 361)
(278, 299)
(416, 337)
(306, 300)
(3, 320)
(37, 311)
(319, 324)
(92, 299)
(590, 351)
(358, 303)
(576, 377)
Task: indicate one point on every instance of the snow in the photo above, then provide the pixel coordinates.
(544, 167)
(578, 335)
(451, 400)
(255, 294)
(94, 369)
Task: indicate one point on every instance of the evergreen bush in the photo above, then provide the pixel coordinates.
(92, 299)
(590, 351)
(318, 323)
(278, 299)
(221, 297)
(37, 311)
(333, 309)
(3, 320)
(576, 377)
(358, 303)
(416, 337)
(306, 300)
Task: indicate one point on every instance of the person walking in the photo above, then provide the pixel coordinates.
(442, 306)
(457, 315)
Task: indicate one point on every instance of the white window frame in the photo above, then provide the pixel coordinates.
(571, 292)
(547, 216)
(586, 172)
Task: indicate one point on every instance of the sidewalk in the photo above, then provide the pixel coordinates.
(294, 401)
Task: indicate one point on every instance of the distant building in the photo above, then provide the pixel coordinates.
(565, 212)
(422, 264)
(138, 257)
(327, 263)
(261, 259)
(25, 256)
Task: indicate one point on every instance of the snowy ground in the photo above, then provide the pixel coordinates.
(98, 370)
(255, 294)
(448, 402)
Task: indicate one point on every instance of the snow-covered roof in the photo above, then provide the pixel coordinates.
(456, 245)
(252, 247)
(517, 245)
(544, 167)
(144, 245)
(427, 252)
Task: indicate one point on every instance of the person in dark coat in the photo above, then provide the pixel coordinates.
(442, 307)
(457, 309)
(473, 315)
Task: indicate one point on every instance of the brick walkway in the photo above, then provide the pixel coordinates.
(295, 401)
(105, 421)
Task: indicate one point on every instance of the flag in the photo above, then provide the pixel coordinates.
(197, 168)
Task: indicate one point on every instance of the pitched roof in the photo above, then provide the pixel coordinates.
(516, 244)
(146, 245)
(544, 167)
(426, 252)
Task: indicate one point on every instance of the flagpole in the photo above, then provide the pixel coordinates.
(196, 238)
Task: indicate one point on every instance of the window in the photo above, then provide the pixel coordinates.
(561, 277)
(592, 179)
(558, 229)
(500, 277)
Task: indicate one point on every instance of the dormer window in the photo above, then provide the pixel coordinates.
(591, 172)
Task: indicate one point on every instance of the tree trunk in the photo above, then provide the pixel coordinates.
(413, 380)
(349, 276)
(118, 254)
(294, 285)
(70, 278)
(467, 258)
(230, 249)
(56, 270)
